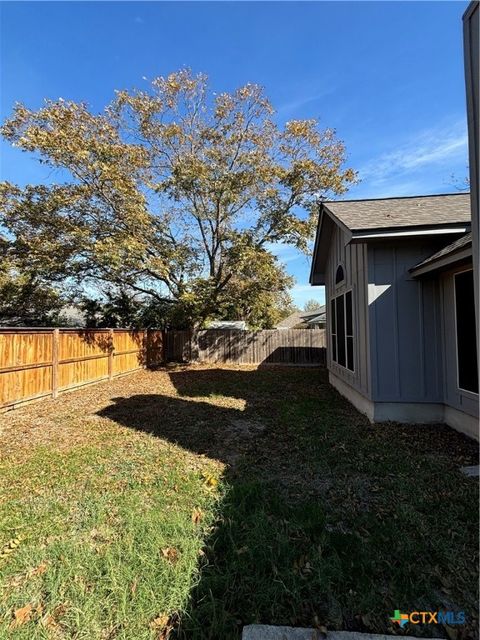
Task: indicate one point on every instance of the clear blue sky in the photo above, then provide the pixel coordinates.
(387, 75)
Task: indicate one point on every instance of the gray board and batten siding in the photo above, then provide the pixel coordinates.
(405, 324)
(396, 319)
(353, 259)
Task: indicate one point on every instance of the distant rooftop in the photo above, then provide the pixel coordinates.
(358, 215)
(300, 317)
(228, 324)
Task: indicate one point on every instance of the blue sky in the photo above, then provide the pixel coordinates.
(388, 76)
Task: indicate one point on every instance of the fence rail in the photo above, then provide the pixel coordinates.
(287, 346)
(35, 363)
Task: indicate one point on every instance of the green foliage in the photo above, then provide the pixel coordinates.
(25, 299)
(120, 309)
(257, 293)
(286, 309)
(174, 193)
(126, 309)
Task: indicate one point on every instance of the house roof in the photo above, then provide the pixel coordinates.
(316, 319)
(394, 218)
(458, 250)
(413, 211)
(228, 324)
(299, 317)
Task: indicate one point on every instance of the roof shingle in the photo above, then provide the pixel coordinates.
(359, 215)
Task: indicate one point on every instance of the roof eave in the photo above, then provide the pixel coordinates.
(362, 235)
(443, 262)
(315, 246)
(317, 277)
(469, 11)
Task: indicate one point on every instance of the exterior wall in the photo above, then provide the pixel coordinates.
(353, 258)
(472, 76)
(405, 353)
(454, 397)
(405, 327)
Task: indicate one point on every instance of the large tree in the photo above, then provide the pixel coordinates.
(174, 192)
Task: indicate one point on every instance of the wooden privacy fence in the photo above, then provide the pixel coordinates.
(35, 363)
(286, 346)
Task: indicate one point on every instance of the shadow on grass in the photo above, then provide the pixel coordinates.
(326, 519)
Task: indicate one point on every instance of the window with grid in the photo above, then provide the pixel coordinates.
(341, 314)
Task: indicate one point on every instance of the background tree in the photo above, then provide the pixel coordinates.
(173, 192)
(311, 305)
(26, 301)
(285, 308)
(258, 293)
(118, 309)
(124, 309)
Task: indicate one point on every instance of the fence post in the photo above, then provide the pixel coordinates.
(164, 346)
(194, 346)
(55, 341)
(146, 348)
(110, 354)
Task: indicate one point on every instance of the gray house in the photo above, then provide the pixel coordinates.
(401, 313)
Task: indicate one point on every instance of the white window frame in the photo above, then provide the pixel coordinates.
(459, 388)
(334, 336)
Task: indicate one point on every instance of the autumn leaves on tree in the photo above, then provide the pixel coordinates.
(174, 192)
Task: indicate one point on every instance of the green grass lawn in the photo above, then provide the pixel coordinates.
(190, 502)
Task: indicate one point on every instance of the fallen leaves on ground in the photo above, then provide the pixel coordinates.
(162, 625)
(52, 620)
(210, 481)
(171, 554)
(10, 547)
(197, 515)
(22, 616)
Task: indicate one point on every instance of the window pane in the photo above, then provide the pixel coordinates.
(350, 353)
(466, 339)
(334, 330)
(348, 313)
(339, 276)
(341, 330)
